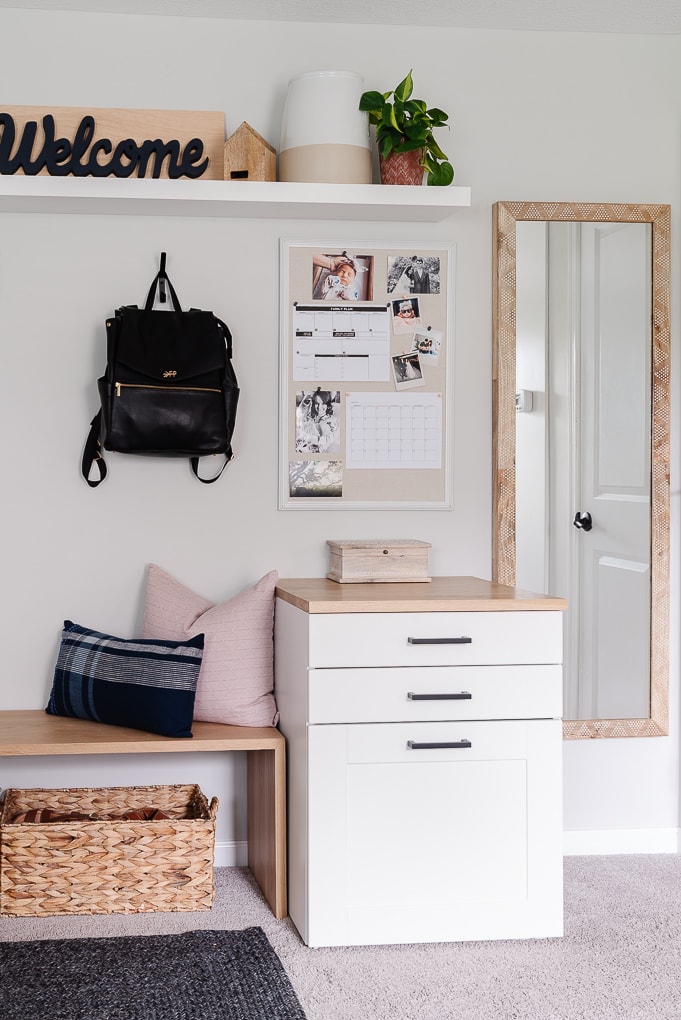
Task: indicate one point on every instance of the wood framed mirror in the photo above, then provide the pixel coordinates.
(581, 445)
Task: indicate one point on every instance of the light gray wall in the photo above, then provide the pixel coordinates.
(534, 116)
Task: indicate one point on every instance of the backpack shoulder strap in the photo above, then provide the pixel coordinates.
(228, 336)
(92, 454)
(194, 464)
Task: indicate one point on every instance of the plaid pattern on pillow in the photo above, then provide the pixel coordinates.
(144, 684)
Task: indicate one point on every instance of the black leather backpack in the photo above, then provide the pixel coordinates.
(169, 389)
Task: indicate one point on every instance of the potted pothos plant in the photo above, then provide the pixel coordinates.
(405, 126)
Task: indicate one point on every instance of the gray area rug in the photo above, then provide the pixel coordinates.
(200, 975)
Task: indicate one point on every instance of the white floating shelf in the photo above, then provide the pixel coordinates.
(254, 199)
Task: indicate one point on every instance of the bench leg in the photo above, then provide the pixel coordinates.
(267, 824)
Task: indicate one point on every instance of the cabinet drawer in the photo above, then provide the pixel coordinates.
(415, 743)
(435, 639)
(433, 693)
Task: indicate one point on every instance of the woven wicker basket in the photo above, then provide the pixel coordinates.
(107, 865)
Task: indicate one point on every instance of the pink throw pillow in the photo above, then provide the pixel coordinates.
(237, 674)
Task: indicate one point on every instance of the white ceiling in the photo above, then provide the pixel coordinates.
(641, 17)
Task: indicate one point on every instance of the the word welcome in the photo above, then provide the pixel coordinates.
(84, 157)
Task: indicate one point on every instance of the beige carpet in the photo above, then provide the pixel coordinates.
(620, 958)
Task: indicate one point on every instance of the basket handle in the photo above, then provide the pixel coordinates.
(213, 809)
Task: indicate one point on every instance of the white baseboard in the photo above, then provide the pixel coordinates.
(231, 855)
(575, 844)
(621, 841)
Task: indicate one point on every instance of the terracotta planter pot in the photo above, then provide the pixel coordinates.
(401, 168)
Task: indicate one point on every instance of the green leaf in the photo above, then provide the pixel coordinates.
(384, 132)
(404, 89)
(442, 176)
(439, 117)
(414, 133)
(436, 150)
(411, 145)
(371, 101)
(389, 116)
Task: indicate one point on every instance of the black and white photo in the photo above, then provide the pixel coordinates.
(315, 478)
(413, 274)
(318, 421)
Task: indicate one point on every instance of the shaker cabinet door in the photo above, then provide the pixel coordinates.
(426, 832)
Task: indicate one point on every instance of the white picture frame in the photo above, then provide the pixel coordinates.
(364, 418)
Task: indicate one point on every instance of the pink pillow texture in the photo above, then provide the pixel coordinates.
(237, 675)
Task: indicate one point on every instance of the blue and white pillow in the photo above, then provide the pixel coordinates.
(144, 684)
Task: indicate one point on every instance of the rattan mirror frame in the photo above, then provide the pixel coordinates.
(505, 216)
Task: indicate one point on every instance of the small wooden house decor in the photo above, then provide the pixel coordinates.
(248, 157)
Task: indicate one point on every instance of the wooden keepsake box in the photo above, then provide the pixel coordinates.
(368, 561)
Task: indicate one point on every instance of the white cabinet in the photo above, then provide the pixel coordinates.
(424, 751)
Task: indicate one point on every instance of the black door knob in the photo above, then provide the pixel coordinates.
(583, 520)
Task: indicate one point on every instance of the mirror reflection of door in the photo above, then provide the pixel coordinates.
(583, 451)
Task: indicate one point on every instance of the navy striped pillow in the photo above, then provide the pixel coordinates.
(144, 684)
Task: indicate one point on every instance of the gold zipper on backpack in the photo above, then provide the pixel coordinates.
(154, 386)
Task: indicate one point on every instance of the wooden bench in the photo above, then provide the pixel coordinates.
(33, 732)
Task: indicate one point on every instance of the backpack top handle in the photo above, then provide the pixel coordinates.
(160, 281)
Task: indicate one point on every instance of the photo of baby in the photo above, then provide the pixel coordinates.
(406, 315)
(342, 277)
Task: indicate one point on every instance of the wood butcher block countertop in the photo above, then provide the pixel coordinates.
(441, 594)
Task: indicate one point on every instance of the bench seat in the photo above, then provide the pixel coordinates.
(34, 732)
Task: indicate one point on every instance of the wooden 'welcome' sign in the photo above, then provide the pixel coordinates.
(70, 141)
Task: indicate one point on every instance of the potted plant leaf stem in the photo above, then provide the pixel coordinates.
(404, 135)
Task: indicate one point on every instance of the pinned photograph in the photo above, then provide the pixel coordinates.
(428, 342)
(318, 421)
(407, 371)
(315, 478)
(413, 274)
(342, 277)
(406, 315)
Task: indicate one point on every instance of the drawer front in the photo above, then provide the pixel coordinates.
(433, 693)
(414, 743)
(435, 639)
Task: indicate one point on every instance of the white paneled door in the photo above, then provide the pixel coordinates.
(605, 519)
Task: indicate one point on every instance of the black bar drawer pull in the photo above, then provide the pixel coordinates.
(439, 640)
(460, 696)
(428, 745)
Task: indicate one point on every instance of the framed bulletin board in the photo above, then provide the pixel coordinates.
(366, 349)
